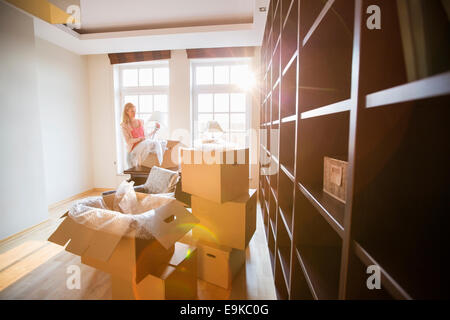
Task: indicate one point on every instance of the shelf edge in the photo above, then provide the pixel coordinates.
(430, 87)
(318, 20)
(391, 286)
(337, 107)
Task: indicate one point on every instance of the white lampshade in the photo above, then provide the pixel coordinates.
(213, 126)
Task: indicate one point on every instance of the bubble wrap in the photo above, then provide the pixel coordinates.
(93, 213)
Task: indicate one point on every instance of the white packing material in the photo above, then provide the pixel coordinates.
(93, 213)
(144, 148)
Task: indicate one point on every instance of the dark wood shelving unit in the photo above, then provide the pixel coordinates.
(332, 87)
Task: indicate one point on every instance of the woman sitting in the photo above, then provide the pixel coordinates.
(138, 147)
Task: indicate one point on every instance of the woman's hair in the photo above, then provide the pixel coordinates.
(125, 117)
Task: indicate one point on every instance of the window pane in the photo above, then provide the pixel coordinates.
(223, 120)
(161, 103)
(239, 73)
(133, 99)
(221, 103)
(146, 103)
(205, 102)
(221, 75)
(238, 121)
(130, 78)
(161, 76)
(145, 77)
(237, 102)
(238, 138)
(203, 118)
(204, 75)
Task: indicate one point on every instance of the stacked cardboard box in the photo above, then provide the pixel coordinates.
(218, 183)
(159, 268)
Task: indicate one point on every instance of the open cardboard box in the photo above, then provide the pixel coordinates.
(125, 256)
(230, 224)
(219, 176)
(173, 280)
(170, 158)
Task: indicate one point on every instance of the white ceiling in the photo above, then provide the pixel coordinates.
(137, 25)
(120, 15)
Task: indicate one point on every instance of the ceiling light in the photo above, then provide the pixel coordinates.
(262, 9)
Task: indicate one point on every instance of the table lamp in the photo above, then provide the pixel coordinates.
(212, 126)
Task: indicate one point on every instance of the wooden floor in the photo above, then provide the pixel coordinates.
(33, 268)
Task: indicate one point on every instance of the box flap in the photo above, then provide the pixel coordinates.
(64, 232)
(182, 252)
(171, 222)
(80, 240)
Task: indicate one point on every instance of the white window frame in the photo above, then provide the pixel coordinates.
(219, 88)
(138, 90)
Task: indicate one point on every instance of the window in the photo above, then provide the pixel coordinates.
(220, 92)
(146, 85)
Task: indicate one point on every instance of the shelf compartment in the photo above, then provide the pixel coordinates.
(331, 209)
(271, 245)
(276, 66)
(274, 140)
(276, 26)
(435, 86)
(285, 198)
(274, 182)
(326, 59)
(286, 7)
(357, 288)
(299, 289)
(272, 208)
(320, 137)
(289, 91)
(284, 249)
(289, 36)
(319, 247)
(402, 177)
(281, 284)
(287, 145)
(276, 104)
(309, 12)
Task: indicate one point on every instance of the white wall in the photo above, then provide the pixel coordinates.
(103, 137)
(65, 121)
(22, 187)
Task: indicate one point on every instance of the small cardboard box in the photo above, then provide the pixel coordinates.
(126, 256)
(171, 158)
(175, 279)
(219, 264)
(335, 178)
(219, 176)
(230, 224)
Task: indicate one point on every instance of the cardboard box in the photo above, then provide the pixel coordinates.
(219, 264)
(173, 280)
(170, 159)
(217, 176)
(335, 178)
(126, 256)
(230, 224)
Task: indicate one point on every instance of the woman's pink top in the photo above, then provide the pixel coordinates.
(132, 135)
